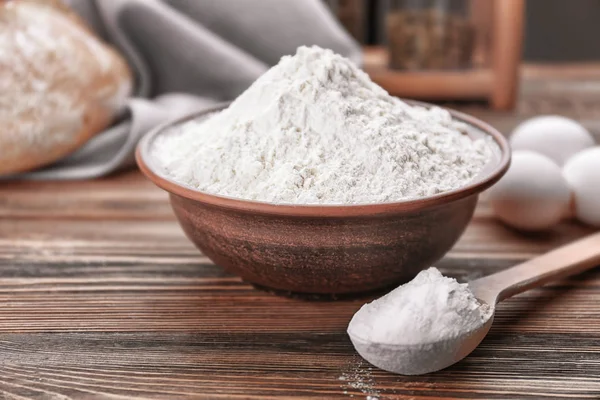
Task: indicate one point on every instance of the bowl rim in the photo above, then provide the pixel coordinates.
(142, 154)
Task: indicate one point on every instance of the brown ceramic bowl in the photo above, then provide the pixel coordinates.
(325, 248)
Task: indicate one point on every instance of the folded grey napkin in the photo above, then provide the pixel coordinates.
(187, 56)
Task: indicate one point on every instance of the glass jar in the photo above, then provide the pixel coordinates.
(430, 34)
(352, 16)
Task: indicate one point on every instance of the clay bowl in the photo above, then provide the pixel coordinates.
(325, 249)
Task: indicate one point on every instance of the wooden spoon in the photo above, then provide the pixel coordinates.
(418, 359)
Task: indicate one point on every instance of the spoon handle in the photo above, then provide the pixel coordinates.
(567, 260)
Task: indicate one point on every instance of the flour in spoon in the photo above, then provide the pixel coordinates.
(428, 309)
(315, 129)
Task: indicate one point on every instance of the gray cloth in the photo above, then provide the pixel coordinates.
(189, 55)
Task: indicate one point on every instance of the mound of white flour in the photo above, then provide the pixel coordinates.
(428, 309)
(314, 129)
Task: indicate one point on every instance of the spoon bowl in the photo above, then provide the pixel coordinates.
(423, 358)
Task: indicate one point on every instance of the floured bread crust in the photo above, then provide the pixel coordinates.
(59, 84)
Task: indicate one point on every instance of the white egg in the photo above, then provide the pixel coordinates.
(533, 195)
(582, 172)
(552, 135)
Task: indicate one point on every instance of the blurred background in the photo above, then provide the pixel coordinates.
(543, 42)
(100, 73)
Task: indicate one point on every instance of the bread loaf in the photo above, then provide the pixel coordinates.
(59, 84)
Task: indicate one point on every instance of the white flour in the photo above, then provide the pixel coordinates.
(428, 309)
(314, 129)
(359, 378)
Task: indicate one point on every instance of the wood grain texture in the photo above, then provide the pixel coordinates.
(506, 44)
(476, 83)
(102, 297)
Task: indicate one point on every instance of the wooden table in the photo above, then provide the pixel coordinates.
(102, 296)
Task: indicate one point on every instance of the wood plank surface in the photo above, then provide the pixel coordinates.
(103, 297)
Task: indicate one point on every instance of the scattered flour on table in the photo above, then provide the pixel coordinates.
(428, 309)
(315, 129)
(359, 377)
